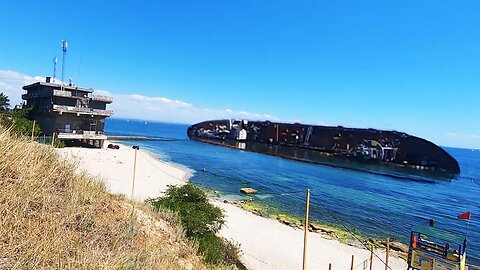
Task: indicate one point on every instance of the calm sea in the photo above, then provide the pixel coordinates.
(372, 205)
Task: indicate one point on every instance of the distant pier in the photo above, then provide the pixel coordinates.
(140, 138)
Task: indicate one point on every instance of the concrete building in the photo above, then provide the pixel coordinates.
(75, 115)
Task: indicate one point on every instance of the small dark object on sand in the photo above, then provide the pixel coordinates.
(113, 146)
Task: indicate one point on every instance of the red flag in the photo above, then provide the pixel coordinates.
(466, 215)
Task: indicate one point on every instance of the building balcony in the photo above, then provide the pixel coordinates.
(68, 94)
(77, 110)
(80, 135)
(62, 93)
(106, 99)
(54, 92)
(29, 96)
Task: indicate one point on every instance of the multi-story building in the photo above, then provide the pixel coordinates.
(73, 114)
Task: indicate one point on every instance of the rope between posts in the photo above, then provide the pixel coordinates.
(347, 229)
(362, 264)
(255, 257)
(282, 193)
(260, 193)
(154, 165)
(268, 193)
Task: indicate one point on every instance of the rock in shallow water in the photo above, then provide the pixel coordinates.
(248, 190)
(397, 246)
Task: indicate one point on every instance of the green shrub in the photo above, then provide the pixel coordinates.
(209, 245)
(19, 121)
(196, 214)
(217, 250)
(200, 220)
(59, 144)
(231, 254)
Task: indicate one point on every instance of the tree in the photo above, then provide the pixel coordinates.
(19, 121)
(4, 102)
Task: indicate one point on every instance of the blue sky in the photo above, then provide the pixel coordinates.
(412, 66)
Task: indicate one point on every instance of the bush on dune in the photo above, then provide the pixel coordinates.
(196, 214)
(201, 221)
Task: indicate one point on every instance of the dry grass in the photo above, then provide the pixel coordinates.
(53, 218)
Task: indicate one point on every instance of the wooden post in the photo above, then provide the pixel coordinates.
(387, 253)
(53, 138)
(134, 169)
(353, 259)
(330, 266)
(371, 256)
(33, 129)
(305, 234)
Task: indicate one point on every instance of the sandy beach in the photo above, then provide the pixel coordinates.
(115, 168)
(265, 243)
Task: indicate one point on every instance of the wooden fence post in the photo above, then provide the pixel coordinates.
(305, 234)
(387, 253)
(134, 170)
(330, 266)
(371, 256)
(33, 129)
(353, 259)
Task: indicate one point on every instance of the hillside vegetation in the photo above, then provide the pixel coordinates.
(19, 121)
(201, 221)
(53, 218)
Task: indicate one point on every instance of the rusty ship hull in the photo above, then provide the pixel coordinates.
(376, 151)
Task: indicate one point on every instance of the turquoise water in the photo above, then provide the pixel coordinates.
(373, 205)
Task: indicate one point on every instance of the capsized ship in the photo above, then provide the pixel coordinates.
(378, 151)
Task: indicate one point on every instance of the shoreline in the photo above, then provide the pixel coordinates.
(278, 246)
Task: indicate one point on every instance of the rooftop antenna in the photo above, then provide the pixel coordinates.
(64, 49)
(54, 67)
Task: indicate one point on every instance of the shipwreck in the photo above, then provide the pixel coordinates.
(392, 153)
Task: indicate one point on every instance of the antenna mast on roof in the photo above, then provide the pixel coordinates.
(64, 49)
(54, 67)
